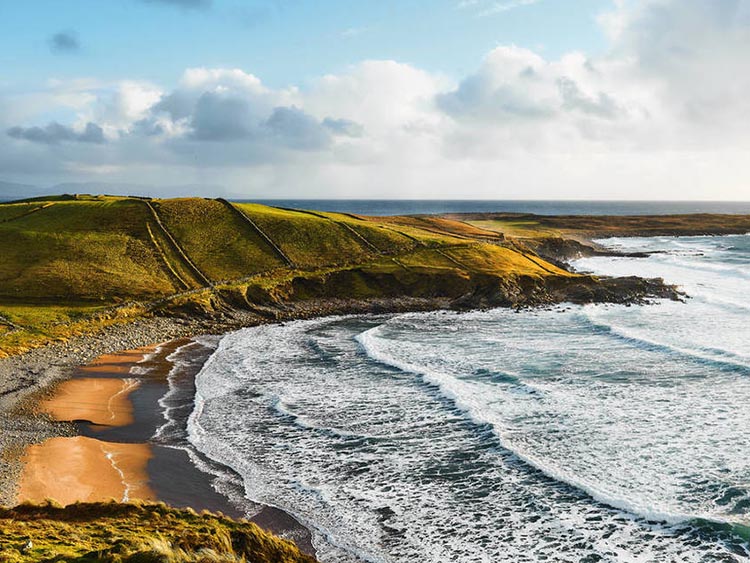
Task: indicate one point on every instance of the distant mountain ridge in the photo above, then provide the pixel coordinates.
(10, 191)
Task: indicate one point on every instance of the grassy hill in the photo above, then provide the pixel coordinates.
(135, 533)
(601, 226)
(72, 264)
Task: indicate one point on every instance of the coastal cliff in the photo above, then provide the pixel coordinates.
(76, 264)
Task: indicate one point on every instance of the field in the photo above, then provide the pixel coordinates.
(602, 226)
(72, 264)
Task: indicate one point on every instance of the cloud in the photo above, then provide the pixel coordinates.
(662, 113)
(184, 4)
(298, 130)
(344, 127)
(64, 42)
(221, 117)
(508, 85)
(488, 8)
(694, 51)
(54, 133)
(603, 105)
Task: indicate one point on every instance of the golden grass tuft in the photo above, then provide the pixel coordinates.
(135, 533)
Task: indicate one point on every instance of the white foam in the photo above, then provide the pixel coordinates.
(179, 364)
(471, 399)
(383, 465)
(138, 367)
(128, 385)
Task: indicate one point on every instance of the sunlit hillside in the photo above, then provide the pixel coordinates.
(72, 263)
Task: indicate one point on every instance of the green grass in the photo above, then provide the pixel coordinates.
(12, 212)
(377, 234)
(516, 228)
(491, 259)
(32, 315)
(46, 322)
(310, 241)
(441, 229)
(67, 261)
(135, 533)
(73, 251)
(220, 244)
(592, 226)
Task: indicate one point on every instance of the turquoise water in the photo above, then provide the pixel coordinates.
(595, 433)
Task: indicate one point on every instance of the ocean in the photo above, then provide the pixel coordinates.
(538, 207)
(573, 433)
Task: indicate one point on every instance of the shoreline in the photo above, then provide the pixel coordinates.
(41, 395)
(88, 467)
(115, 453)
(26, 379)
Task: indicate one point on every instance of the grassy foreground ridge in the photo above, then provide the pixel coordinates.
(72, 264)
(135, 533)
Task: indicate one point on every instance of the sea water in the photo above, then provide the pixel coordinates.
(578, 433)
(538, 207)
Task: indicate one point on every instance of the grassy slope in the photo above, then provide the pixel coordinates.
(218, 242)
(80, 251)
(308, 240)
(136, 533)
(536, 226)
(71, 264)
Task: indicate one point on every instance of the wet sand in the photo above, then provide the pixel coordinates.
(101, 401)
(85, 469)
(109, 365)
(114, 403)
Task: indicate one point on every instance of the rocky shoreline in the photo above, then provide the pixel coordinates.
(25, 377)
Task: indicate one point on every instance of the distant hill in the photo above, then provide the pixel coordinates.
(10, 191)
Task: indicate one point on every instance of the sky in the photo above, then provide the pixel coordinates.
(438, 99)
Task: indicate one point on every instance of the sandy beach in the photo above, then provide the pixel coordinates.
(100, 401)
(85, 468)
(34, 378)
(119, 363)
(113, 403)
(80, 469)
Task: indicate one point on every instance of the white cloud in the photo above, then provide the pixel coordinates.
(491, 7)
(500, 7)
(662, 114)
